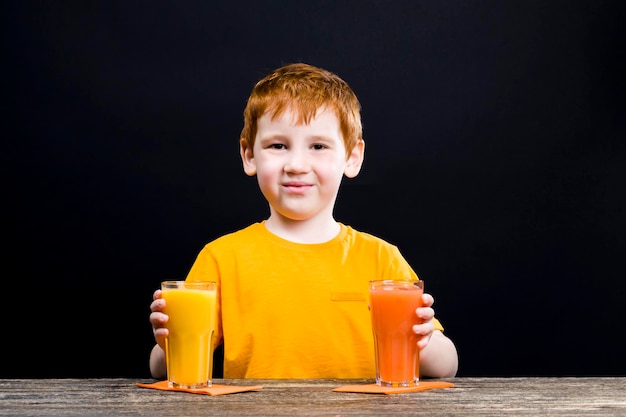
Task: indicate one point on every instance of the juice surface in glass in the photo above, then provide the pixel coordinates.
(191, 308)
(392, 307)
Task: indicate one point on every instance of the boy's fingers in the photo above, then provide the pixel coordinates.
(428, 300)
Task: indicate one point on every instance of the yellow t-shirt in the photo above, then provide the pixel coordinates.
(293, 310)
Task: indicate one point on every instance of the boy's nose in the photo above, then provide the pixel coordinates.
(297, 162)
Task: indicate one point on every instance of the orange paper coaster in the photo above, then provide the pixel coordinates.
(375, 389)
(212, 390)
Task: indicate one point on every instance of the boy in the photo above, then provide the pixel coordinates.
(293, 289)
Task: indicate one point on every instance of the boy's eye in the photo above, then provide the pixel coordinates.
(277, 146)
(319, 146)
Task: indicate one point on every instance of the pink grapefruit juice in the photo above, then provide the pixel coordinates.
(392, 306)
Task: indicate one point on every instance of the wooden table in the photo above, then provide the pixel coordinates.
(469, 397)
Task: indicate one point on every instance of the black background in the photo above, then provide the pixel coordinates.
(495, 160)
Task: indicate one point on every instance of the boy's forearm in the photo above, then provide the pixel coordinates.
(439, 359)
(158, 368)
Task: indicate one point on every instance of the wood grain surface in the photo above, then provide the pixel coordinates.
(469, 397)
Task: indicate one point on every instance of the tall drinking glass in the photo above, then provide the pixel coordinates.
(192, 310)
(392, 306)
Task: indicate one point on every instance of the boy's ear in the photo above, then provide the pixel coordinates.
(247, 157)
(355, 160)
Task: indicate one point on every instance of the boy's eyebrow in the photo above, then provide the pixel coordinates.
(279, 136)
(322, 138)
(268, 138)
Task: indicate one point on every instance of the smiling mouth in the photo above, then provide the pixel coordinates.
(297, 187)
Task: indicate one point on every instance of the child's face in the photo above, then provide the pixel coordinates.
(299, 167)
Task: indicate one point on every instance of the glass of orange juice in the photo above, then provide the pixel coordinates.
(192, 310)
(392, 307)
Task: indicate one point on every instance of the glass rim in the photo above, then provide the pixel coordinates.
(402, 282)
(184, 283)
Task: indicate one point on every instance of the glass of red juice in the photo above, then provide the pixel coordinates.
(392, 306)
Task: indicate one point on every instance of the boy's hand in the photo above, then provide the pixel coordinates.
(425, 314)
(158, 319)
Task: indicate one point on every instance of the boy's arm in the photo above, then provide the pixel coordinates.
(157, 363)
(439, 359)
(158, 319)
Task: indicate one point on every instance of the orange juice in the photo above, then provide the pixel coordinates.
(392, 306)
(191, 307)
